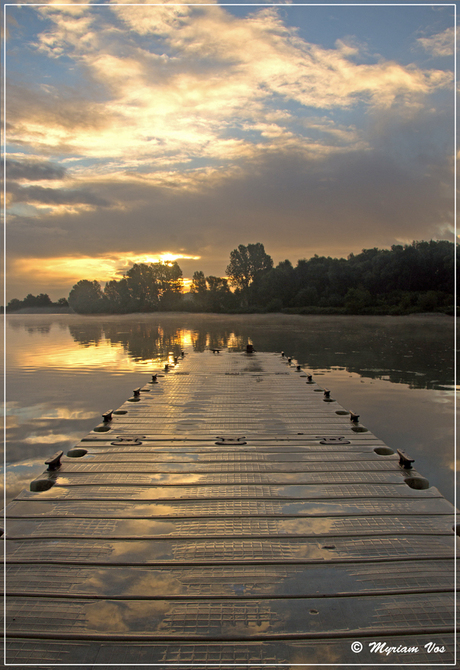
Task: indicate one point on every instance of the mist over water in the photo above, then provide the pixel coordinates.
(64, 371)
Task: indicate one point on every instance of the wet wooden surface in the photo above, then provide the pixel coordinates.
(230, 513)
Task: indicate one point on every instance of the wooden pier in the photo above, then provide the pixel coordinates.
(231, 512)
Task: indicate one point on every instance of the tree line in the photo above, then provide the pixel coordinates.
(40, 300)
(417, 277)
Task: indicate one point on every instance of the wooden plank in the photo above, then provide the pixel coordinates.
(420, 649)
(375, 489)
(228, 581)
(349, 476)
(99, 449)
(103, 442)
(225, 507)
(236, 526)
(229, 550)
(230, 619)
(184, 456)
(362, 462)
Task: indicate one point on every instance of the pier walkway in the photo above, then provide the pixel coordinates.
(230, 512)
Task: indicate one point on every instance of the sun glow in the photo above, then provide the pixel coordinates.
(164, 257)
(102, 268)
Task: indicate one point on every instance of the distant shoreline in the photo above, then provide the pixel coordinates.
(41, 310)
(67, 310)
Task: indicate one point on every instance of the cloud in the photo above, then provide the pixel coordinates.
(348, 46)
(71, 30)
(33, 170)
(61, 122)
(53, 196)
(262, 57)
(441, 44)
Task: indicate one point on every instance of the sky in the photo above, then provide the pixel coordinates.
(138, 133)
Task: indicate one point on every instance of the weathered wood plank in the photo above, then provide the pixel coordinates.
(230, 619)
(375, 489)
(229, 581)
(225, 507)
(362, 462)
(229, 550)
(419, 649)
(342, 476)
(221, 526)
(187, 457)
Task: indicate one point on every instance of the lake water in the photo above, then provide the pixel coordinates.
(64, 371)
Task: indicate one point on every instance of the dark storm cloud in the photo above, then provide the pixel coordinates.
(55, 196)
(34, 170)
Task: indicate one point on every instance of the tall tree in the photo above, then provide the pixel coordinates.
(152, 284)
(118, 295)
(198, 286)
(199, 291)
(169, 279)
(86, 297)
(142, 287)
(218, 294)
(246, 263)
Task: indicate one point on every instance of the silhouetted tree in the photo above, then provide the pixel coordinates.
(41, 300)
(118, 295)
(199, 291)
(218, 294)
(142, 288)
(246, 263)
(198, 286)
(169, 279)
(14, 305)
(146, 287)
(274, 289)
(86, 297)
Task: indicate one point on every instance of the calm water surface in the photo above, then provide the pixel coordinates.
(64, 371)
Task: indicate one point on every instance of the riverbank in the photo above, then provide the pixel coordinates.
(283, 312)
(42, 310)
